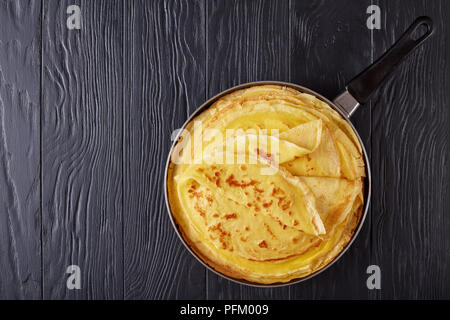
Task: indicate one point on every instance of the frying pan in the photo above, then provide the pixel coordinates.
(356, 92)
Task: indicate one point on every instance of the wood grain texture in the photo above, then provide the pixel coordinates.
(82, 150)
(330, 44)
(164, 83)
(411, 150)
(20, 220)
(247, 41)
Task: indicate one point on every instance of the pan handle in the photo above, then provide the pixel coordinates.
(363, 85)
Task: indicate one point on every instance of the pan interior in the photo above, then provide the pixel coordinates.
(313, 231)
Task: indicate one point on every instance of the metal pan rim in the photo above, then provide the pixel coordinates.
(368, 183)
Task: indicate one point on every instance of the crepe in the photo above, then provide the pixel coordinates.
(267, 184)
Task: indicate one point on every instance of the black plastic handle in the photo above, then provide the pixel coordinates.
(363, 85)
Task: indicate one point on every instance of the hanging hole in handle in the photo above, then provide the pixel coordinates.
(422, 30)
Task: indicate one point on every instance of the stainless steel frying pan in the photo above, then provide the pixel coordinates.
(356, 92)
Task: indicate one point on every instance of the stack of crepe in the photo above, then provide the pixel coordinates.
(280, 204)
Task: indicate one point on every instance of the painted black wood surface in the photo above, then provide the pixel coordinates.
(410, 160)
(86, 118)
(82, 150)
(164, 82)
(20, 217)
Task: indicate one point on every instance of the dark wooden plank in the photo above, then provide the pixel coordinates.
(20, 220)
(164, 83)
(330, 44)
(247, 41)
(411, 150)
(82, 150)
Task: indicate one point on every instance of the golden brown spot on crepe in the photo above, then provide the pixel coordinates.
(269, 231)
(317, 243)
(262, 244)
(267, 204)
(286, 205)
(235, 183)
(276, 191)
(215, 179)
(231, 216)
(223, 235)
(258, 190)
(199, 210)
(196, 194)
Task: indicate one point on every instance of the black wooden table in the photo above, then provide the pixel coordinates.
(86, 118)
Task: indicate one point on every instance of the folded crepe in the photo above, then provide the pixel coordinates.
(268, 184)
